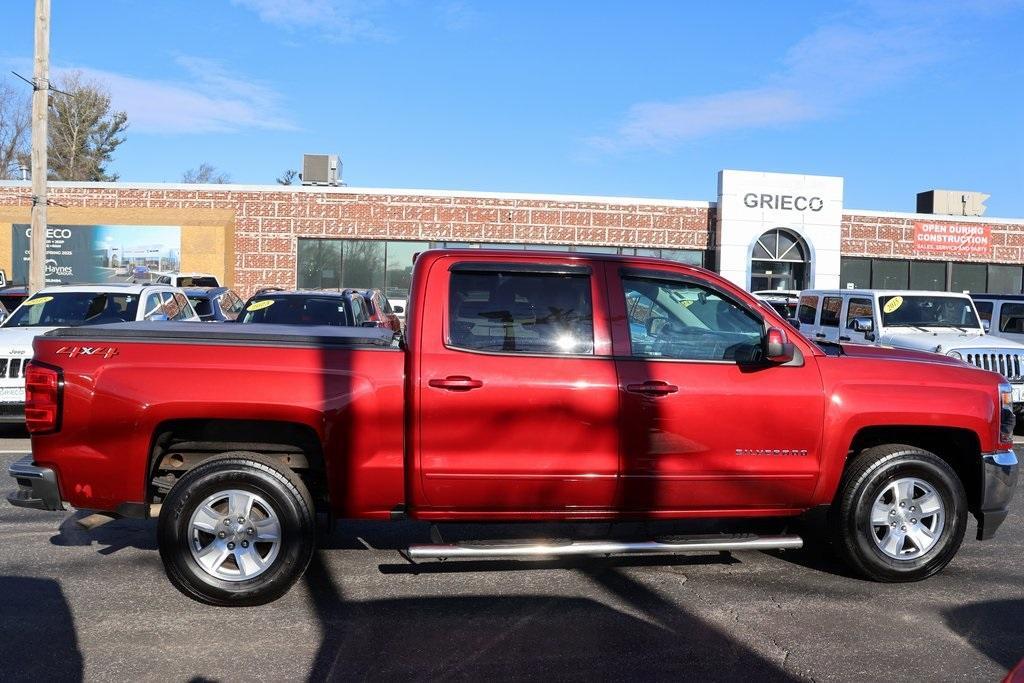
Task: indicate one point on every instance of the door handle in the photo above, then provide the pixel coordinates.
(820, 335)
(654, 387)
(456, 383)
(844, 339)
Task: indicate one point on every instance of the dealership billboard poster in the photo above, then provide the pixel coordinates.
(957, 239)
(81, 254)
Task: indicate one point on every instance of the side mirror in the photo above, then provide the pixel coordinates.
(398, 310)
(158, 317)
(795, 322)
(777, 347)
(986, 325)
(863, 325)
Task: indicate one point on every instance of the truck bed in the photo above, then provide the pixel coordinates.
(126, 384)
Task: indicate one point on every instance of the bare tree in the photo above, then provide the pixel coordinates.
(288, 177)
(15, 130)
(84, 130)
(204, 174)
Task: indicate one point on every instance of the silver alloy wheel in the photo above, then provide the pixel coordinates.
(234, 535)
(907, 518)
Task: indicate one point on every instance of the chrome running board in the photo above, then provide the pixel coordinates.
(543, 549)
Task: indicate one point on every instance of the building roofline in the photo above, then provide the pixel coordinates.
(324, 189)
(932, 217)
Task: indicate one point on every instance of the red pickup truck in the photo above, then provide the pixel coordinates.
(530, 386)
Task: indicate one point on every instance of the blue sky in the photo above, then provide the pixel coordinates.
(623, 98)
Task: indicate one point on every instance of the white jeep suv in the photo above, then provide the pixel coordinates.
(70, 306)
(941, 322)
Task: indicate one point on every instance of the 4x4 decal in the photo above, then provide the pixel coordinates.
(101, 351)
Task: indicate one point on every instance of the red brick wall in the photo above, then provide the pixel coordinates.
(893, 236)
(267, 222)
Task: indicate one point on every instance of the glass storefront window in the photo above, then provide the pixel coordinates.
(319, 264)
(362, 263)
(887, 274)
(398, 257)
(1004, 279)
(855, 273)
(968, 277)
(930, 275)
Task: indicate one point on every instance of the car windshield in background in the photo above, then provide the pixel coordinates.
(199, 281)
(296, 310)
(75, 308)
(928, 311)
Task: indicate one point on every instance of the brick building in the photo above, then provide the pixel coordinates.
(764, 231)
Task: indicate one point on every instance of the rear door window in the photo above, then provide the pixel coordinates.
(807, 310)
(517, 312)
(830, 307)
(1011, 318)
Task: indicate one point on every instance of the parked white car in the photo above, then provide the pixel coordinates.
(176, 279)
(940, 322)
(71, 306)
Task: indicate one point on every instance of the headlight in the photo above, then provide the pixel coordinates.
(1007, 420)
(955, 354)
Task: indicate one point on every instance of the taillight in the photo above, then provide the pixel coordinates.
(42, 398)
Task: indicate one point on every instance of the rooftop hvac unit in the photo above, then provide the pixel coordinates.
(321, 169)
(952, 202)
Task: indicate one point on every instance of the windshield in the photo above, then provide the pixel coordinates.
(296, 310)
(74, 308)
(928, 311)
(198, 281)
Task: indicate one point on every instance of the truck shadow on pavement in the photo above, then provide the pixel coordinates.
(995, 628)
(538, 637)
(37, 632)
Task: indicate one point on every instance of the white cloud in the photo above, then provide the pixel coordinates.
(340, 20)
(210, 100)
(826, 72)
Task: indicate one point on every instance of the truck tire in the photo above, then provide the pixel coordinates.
(238, 529)
(900, 514)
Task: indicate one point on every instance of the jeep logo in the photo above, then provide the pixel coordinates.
(783, 202)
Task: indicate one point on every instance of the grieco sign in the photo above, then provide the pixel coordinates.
(784, 202)
(82, 254)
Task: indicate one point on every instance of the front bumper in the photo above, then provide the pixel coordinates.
(998, 482)
(37, 486)
(12, 413)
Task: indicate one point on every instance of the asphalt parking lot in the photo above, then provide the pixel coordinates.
(95, 605)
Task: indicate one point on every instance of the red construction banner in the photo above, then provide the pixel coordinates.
(962, 239)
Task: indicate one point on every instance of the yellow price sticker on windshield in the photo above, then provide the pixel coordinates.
(893, 304)
(40, 300)
(260, 305)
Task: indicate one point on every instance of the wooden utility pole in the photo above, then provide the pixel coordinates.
(40, 103)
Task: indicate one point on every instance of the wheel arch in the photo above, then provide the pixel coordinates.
(177, 446)
(960, 448)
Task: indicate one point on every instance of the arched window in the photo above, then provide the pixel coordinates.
(780, 260)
